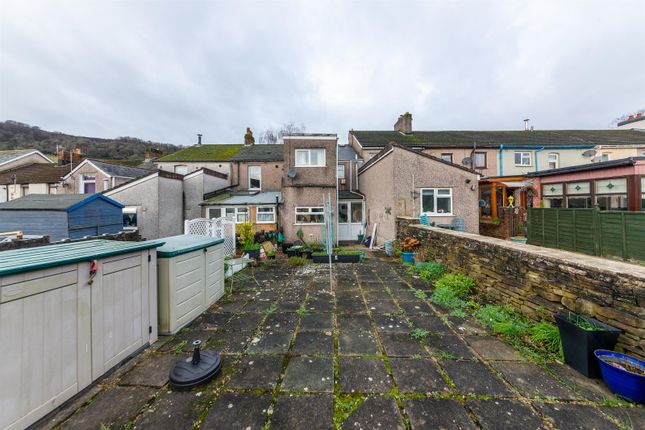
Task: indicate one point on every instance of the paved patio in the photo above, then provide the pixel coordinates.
(301, 355)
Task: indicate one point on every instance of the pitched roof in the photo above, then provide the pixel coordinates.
(349, 195)
(388, 149)
(13, 154)
(493, 139)
(630, 161)
(53, 202)
(37, 173)
(210, 152)
(347, 153)
(260, 152)
(120, 170)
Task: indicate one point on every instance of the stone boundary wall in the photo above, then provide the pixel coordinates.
(539, 282)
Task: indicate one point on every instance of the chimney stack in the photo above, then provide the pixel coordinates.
(248, 137)
(404, 123)
(199, 139)
(526, 124)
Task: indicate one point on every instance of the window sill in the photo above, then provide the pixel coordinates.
(265, 222)
(437, 215)
(308, 223)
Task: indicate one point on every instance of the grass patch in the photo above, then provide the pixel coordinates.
(429, 271)
(447, 298)
(503, 320)
(344, 405)
(419, 333)
(462, 285)
(298, 261)
(547, 336)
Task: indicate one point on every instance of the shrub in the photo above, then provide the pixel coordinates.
(462, 285)
(298, 261)
(547, 336)
(250, 246)
(245, 230)
(502, 320)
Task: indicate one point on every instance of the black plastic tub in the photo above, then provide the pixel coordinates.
(347, 258)
(579, 344)
(320, 258)
(253, 253)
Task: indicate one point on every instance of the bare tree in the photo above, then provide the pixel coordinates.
(273, 136)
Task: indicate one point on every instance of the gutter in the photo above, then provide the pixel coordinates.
(501, 169)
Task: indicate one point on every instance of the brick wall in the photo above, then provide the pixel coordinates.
(540, 282)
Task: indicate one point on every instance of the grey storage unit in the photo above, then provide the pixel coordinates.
(191, 278)
(62, 328)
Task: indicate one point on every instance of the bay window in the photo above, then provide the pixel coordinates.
(579, 195)
(436, 201)
(310, 215)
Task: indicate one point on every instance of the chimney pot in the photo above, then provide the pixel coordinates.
(526, 124)
(248, 137)
(199, 139)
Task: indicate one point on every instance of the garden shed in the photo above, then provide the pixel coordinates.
(191, 278)
(62, 216)
(68, 314)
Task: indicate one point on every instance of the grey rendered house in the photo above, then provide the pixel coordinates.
(399, 181)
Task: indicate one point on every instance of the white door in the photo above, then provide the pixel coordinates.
(350, 219)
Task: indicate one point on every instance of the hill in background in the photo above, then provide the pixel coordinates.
(17, 135)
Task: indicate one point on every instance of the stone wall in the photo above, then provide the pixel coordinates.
(540, 282)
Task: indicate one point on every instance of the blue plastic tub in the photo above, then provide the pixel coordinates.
(408, 257)
(622, 382)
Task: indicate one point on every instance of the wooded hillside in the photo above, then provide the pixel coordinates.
(16, 135)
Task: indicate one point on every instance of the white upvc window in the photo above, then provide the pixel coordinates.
(605, 156)
(255, 178)
(340, 172)
(130, 218)
(553, 160)
(522, 158)
(436, 201)
(310, 215)
(265, 215)
(106, 184)
(310, 157)
(88, 184)
(480, 160)
(240, 214)
(53, 188)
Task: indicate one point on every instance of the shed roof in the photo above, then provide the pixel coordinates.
(42, 257)
(250, 198)
(54, 202)
(210, 152)
(493, 139)
(184, 243)
(260, 152)
(37, 173)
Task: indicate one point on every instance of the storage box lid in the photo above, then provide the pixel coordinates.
(42, 257)
(183, 244)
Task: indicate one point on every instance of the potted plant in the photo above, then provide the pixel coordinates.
(320, 257)
(253, 249)
(361, 237)
(623, 374)
(408, 247)
(294, 251)
(581, 336)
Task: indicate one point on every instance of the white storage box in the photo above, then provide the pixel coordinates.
(191, 278)
(64, 322)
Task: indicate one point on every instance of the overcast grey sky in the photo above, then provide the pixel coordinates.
(165, 70)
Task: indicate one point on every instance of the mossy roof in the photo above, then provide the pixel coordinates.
(209, 152)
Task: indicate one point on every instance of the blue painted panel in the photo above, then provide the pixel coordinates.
(50, 223)
(96, 217)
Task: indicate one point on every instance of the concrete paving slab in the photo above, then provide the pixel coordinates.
(153, 371)
(354, 323)
(474, 377)
(434, 414)
(401, 345)
(238, 411)
(177, 410)
(280, 321)
(309, 374)
(270, 342)
(576, 417)
(363, 375)
(314, 342)
(315, 412)
(316, 322)
(448, 347)
(259, 372)
(375, 413)
(357, 343)
(391, 324)
(532, 381)
(503, 414)
(491, 348)
(418, 375)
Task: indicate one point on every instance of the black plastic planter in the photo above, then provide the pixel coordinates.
(347, 258)
(579, 344)
(320, 258)
(253, 253)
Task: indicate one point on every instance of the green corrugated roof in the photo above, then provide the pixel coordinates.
(184, 243)
(211, 152)
(42, 257)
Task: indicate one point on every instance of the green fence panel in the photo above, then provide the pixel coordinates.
(606, 233)
(635, 229)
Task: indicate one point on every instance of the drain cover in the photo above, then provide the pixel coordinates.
(195, 370)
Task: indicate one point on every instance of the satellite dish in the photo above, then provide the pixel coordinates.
(292, 173)
(467, 161)
(590, 153)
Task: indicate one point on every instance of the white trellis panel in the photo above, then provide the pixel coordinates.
(220, 228)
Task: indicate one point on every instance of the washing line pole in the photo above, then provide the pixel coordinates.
(329, 237)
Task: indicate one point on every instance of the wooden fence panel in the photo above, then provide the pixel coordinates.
(590, 231)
